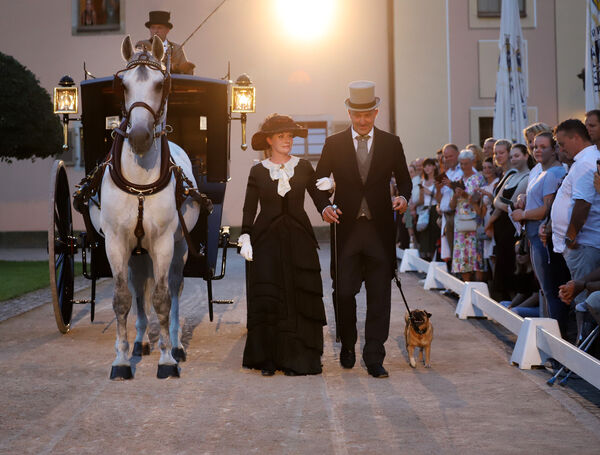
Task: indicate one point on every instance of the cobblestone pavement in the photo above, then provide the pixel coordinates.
(56, 396)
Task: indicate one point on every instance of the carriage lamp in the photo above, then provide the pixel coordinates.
(243, 101)
(65, 103)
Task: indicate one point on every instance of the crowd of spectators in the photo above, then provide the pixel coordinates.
(525, 218)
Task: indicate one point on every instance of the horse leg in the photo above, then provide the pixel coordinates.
(161, 300)
(140, 279)
(121, 367)
(175, 288)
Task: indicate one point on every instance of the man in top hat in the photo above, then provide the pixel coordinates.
(363, 160)
(159, 25)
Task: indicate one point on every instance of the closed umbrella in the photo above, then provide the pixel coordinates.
(510, 109)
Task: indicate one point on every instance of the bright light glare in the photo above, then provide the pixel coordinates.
(306, 19)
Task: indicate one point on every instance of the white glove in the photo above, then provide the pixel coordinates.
(246, 247)
(326, 183)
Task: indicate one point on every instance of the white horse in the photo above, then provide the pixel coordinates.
(158, 275)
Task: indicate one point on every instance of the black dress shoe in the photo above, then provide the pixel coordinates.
(266, 372)
(290, 373)
(377, 371)
(347, 358)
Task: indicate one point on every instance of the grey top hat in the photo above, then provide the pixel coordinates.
(362, 96)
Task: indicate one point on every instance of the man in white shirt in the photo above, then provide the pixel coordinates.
(444, 195)
(576, 209)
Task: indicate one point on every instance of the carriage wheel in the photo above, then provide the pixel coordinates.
(61, 247)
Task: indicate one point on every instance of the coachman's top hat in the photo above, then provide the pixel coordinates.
(274, 124)
(362, 96)
(159, 18)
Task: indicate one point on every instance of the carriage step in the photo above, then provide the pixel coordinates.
(223, 302)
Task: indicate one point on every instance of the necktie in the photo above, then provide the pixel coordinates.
(361, 149)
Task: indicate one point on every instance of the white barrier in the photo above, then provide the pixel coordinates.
(526, 353)
(412, 262)
(494, 310)
(431, 281)
(438, 277)
(571, 357)
(466, 307)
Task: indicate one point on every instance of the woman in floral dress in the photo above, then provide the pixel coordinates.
(468, 251)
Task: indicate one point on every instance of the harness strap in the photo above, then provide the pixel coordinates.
(134, 188)
(139, 227)
(181, 194)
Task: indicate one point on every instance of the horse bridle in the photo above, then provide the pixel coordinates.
(144, 58)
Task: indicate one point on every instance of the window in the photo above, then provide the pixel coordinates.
(486, 129)
(492, 8)
(482, 122)
(97, 16)
(310, 147)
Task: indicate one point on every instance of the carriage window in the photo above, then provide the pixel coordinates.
(310, 147)
(97, 16)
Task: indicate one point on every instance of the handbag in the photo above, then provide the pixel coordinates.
(465, 223)
(480, 233)
(422, 218)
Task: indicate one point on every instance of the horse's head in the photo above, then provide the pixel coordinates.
(145, 87)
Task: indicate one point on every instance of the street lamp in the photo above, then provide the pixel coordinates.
(65, 103)
(243, 101)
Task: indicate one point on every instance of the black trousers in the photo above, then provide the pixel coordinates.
(363, 258)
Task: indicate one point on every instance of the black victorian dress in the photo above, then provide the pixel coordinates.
(284, 289)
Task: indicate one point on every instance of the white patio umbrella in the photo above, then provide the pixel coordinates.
(510, 109)
(592, 49)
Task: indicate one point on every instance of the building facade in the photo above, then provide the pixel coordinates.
(434, 64)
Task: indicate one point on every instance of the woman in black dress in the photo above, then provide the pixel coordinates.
(284, 293)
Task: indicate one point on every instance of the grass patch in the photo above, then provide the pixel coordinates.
(20, 277)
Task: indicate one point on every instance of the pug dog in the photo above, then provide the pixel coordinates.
(418, 334)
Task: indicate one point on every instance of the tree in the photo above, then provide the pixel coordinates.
(28, 127)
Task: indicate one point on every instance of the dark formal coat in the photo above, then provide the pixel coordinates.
(179, 62)
(339, 158)
(262, 188)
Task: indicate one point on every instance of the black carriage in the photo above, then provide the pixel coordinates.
(199, 115)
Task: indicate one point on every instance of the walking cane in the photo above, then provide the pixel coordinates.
(335, 278)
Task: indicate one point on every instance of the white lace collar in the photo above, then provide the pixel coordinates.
(282, 172)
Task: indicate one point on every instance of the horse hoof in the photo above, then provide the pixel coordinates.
(140, 349)
(167, 371)
(178, 354)
(120, 373)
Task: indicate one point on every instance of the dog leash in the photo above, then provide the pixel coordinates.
(410, 315)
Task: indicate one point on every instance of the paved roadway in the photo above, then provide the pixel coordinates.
(56, 396)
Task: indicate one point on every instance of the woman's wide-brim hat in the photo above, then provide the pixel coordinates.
(274, 124)
(362, 96)
(159, 18)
